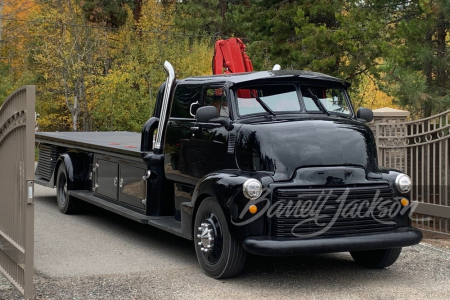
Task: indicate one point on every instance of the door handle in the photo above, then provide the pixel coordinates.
(195, 128)
(190, 108)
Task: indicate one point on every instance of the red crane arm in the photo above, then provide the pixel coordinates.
(230, 57)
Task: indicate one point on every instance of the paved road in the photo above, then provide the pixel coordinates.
(98, 255)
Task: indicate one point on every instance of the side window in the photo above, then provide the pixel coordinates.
(185, 96)
(217, 97)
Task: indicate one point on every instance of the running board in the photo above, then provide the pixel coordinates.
(166, 223)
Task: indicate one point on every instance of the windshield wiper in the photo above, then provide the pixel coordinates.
(264, 105)
(317, 102)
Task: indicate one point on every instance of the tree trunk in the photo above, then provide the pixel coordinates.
(441, 75)
(75, 114)
(1, 20)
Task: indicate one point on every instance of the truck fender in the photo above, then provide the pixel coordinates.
(226, 188)
(403, 219)
(77, 165)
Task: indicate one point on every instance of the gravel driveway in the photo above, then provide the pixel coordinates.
(98, 255)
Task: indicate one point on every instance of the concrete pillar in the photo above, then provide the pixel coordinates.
(388, 115)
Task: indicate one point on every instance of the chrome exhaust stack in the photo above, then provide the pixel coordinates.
(166, 105)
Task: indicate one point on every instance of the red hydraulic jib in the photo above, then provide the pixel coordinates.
(230, 57)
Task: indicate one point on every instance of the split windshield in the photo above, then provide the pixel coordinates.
(287, 98)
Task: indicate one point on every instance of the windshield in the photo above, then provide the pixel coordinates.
(284, 98)
(332, 99)
(278, 98)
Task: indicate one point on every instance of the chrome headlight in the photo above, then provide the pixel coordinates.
(252, 189)
(403, 183)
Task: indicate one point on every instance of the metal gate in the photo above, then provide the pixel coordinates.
(16, 189)
(420, 148)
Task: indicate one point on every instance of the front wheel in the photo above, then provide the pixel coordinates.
(376, 259)
(219, 255)
(66, 204)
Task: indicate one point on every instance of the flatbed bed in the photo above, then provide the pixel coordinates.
(108, 142)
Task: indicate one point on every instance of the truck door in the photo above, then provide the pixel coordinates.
(179, 132)
(207, 150)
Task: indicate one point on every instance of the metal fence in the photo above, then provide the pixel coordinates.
(420, 148)
(16, 189)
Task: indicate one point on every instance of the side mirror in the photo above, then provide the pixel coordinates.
(365, 114)
(209, 114)
(206, 113)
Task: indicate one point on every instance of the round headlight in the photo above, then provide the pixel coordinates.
(403, 183)
(252, 189)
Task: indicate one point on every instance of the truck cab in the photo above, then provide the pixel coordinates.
(290, 164)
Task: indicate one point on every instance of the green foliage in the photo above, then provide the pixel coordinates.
(417, 63)
(6, 84)
(98, 64)
(205, 17)
(10, 80)
(107, 12)
(333, 37)
(94, 78)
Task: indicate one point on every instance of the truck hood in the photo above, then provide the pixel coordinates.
(280, 147)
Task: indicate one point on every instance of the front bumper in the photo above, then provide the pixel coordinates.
(271, 246)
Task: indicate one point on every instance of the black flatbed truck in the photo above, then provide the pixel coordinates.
(227, 150)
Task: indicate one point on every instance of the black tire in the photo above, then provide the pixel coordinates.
(376, 259)
(66, 204)
(226, 257)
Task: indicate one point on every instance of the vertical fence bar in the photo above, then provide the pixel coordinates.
(17, 121)
(29, 195)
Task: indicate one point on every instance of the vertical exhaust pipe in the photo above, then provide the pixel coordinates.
(166, 105)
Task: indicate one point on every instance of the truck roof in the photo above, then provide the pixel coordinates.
(261, 75)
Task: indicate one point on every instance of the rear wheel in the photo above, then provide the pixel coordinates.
(66, 204)
(218, 253)
(376, 259)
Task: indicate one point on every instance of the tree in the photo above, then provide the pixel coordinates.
(68, 55)
(339, 38)
(112, 13)
(205, 17)
(125, 97)
(417, 65)
(14, 32)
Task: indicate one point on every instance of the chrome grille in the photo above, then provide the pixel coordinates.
(361, 197)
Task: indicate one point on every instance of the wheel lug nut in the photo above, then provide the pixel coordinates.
(199, 235)
(200, 228)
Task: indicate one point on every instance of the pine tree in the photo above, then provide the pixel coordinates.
(417, 65)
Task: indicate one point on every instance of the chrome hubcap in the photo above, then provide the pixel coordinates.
(206, 236)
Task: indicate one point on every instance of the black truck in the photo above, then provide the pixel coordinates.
(274, 163)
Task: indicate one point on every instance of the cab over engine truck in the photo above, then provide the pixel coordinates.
(274, 163)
